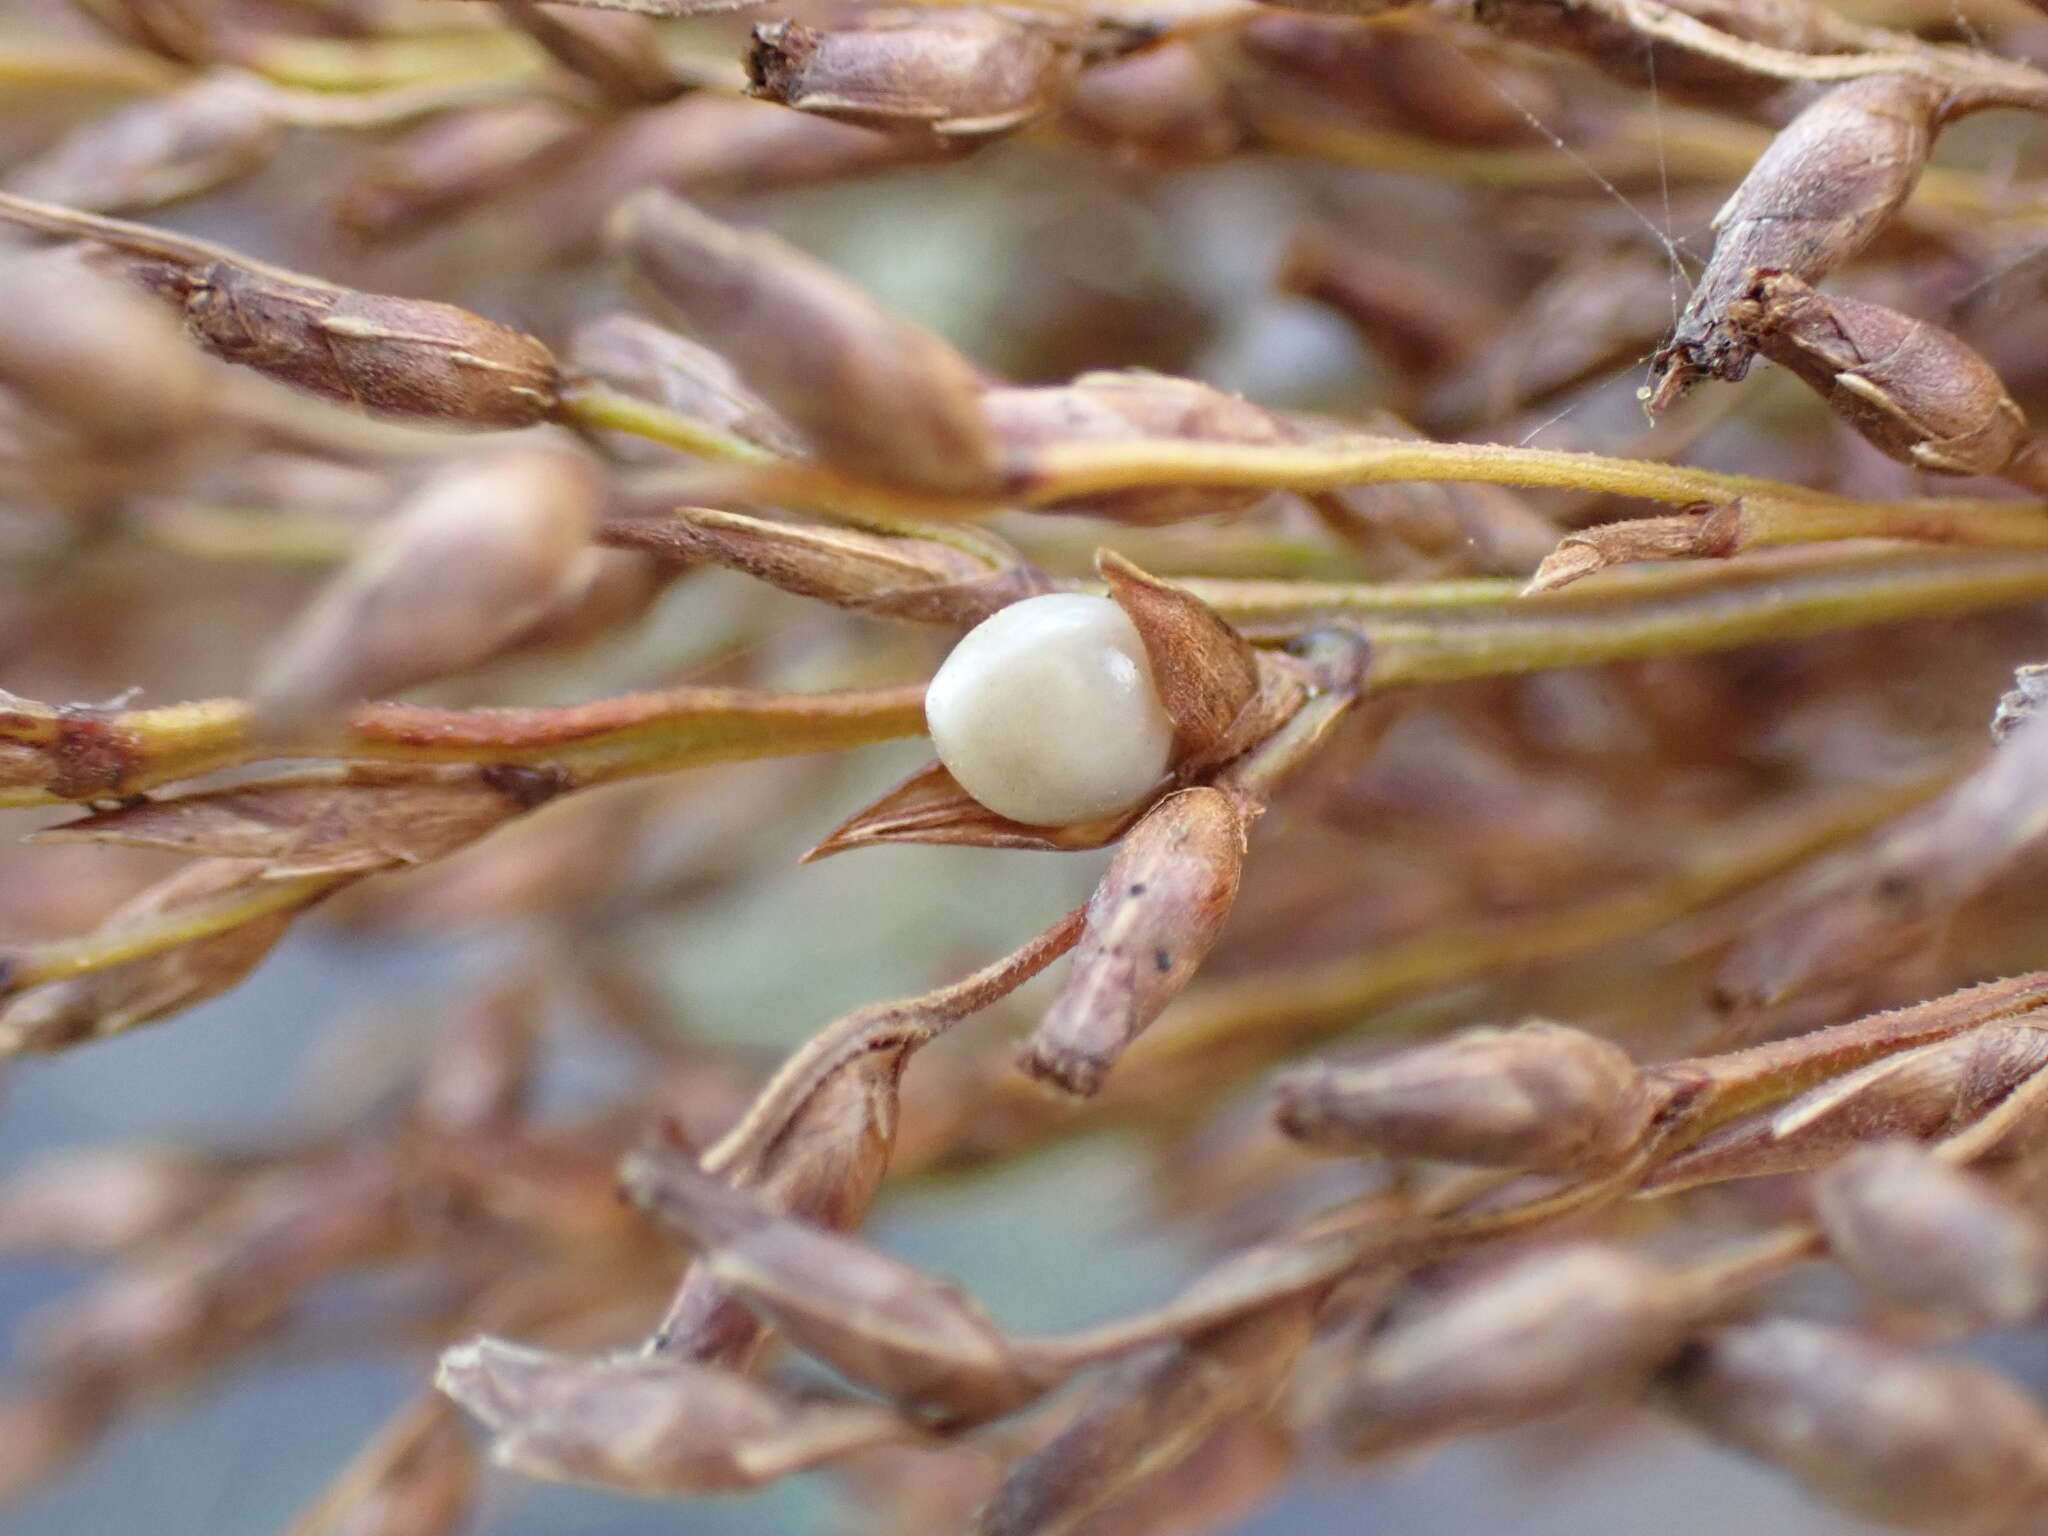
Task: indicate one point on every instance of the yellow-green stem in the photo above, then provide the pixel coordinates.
(64, 958)
(597, 408)
(1067, 471)
(614, 739)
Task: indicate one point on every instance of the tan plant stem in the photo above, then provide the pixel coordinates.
(587, 743)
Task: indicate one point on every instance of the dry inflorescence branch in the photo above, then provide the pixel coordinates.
(1627, 786)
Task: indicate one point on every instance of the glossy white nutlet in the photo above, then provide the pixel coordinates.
(1046, 712)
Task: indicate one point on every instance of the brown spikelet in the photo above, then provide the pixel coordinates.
(181, 30)
(882, 1323)
(817, 1139)
(1151, 922)
(1828, 183)
(1146, 1417)
(1914, 391)
(1557, 1327)
(161, 150)
(962, 75)
(1539, 1096)
(102, 1200)
(100, 358)
(345, 821)
(901, 578)
(653, 1425)
(474, 560)
(1923, 1234)
(453, 163)
(620, 55)
(1934, 1445)
(874, 393)
(415, 360)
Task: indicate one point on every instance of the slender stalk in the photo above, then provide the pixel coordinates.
(2011, 525)
(63, 958)
(587, 743)
(1687, 623)
(1068, 471)
(594, 407)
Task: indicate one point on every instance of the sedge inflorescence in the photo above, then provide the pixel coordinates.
(1554, 883)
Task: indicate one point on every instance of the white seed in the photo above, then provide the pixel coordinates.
(1046, 712)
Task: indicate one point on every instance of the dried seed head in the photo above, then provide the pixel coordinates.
(1540, 1096)
(1047, 712)
(1121, 407)
(640, 358)
(962, 75)
(1934, 1445)
(162, 149)
(900, 578)
(1160, 906)
(471, 562)
(653, 1425)
(882, 1323)
(1914, 391)
(101, 358)
(455, 162)
(1555, 1328)
(1828, 183)
(875, 394)
(1919, 1232)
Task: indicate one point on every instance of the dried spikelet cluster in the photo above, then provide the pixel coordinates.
(1554, 926)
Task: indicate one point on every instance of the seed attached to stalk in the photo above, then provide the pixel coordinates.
(1047, 713)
